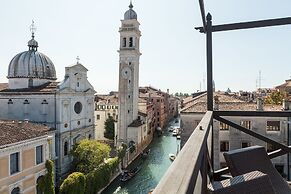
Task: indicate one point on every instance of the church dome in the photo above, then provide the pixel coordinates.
(31, 64)
(130, 14)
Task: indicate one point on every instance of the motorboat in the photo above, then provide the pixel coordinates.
(178, 136)
(175, 133)
(172, 157)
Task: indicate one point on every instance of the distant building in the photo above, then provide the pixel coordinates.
(24, 149)
(105, 106)
(285, 87)
(33, 94)
(227, 138)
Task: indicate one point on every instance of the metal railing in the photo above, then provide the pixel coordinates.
(189, 171)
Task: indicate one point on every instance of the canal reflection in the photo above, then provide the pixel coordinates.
(152, 168)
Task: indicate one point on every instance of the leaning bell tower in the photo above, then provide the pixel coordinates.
(128, 73)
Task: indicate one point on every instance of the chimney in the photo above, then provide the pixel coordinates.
(260, 104)
(216, 102)
(168, 91)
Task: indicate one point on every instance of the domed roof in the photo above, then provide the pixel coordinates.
(31, 64)
(130, 14)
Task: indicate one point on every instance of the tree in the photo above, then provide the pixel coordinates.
(275, 97)
(109, 128)
(46, 183)
(74, 184)
(88, 155)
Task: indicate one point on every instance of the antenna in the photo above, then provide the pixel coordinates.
(78, 59)
(260, 79)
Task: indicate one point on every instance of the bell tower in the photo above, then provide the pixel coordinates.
(128, 73)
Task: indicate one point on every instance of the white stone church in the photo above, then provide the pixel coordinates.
(33, 94)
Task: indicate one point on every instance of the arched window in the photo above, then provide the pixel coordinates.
(124, 42)
(16, 191)
(130, 42)
(66, 147)
(38, 183)
(90, 136)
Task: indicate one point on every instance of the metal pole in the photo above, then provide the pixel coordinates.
(210, 78)
(288, 156)
(209, 63)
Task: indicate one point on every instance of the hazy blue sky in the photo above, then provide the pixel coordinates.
(173, 52)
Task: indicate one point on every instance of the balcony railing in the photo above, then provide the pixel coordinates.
(192, 170)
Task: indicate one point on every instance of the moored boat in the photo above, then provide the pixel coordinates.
(127, 175)
(172, 157)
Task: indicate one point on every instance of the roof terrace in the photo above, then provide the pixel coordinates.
(251, 169)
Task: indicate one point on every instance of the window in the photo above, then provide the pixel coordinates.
(14, 163)
(223, 126)
(78, 122)
(98, 117)
(16, 191)
(78, 107)
(246, 124)
(10, 101)
(90, 136)
(271, 148)
(39, 154)
(129, 63)
(89, 120)
(66, 147)
(124, 42)
(128, 111)
(273, 125)
(245, 144)
(224, 146)
(130, 42)
(78, 84)
(66, 125)
(129, 81)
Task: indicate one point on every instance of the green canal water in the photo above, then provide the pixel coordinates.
(152, 168)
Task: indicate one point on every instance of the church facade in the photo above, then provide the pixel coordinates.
(32, 94)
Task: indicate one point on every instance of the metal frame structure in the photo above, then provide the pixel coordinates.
(183, 176)
(208, 28)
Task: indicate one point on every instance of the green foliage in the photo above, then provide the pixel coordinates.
(109, 128)
(74, 184)
(100, 177)
(88, 155)
(275, 97)
(46, 183)
(121, 151)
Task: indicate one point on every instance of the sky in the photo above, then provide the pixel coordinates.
(173, 52)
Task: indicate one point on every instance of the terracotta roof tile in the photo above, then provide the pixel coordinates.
(16, 131)
(50, 87)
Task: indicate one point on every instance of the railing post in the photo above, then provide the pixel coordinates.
(209, 62)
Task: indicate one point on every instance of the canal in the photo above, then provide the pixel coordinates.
(152, 168)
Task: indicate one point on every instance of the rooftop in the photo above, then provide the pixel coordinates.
(47, 88)
(17, 131)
